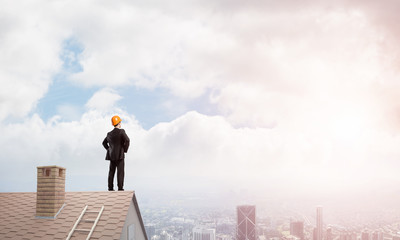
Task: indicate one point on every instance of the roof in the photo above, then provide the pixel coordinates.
(18, 221)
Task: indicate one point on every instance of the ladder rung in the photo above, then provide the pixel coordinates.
(88, 220)
(82, 230)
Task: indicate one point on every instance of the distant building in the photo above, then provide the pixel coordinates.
(315, 234)
(377, 235)
(186, 234)
(223, 237)
(319, 228)
(365, 235)
(397, 237)
(329, 235)
(290, 237)
(246, 222)
(203, 233)
(297, 229)
(164, 235)
(348, 236)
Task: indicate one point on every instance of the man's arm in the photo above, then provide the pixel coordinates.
(105, 143)
(126, 141)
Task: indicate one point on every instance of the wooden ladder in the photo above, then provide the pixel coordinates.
(94, 221)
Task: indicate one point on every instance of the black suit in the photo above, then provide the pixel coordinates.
(117, 144)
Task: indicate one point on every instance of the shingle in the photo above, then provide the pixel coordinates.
(113, 221)
(9, 235)
(60, 235)
(52, 231)
(48, 237)
(3, 230)
(40, 233)
(96, 234)
(108, 233)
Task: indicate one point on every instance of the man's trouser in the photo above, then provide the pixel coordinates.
(119, 165)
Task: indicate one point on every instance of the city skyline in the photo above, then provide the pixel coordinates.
(287, 225)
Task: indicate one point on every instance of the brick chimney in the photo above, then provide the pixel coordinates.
(50, 194)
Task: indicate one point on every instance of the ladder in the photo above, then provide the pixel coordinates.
(94, 221)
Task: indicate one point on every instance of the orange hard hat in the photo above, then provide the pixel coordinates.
(115, 120)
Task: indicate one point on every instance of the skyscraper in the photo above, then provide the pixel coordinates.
(203, 233)
(297, 229)
(319, 228)
(315, 234)
(246, 222)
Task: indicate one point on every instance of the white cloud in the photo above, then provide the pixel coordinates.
(198, 145)
(192, 146)
(276, 49)
(28, 59)
(69, 112)
(104, 100)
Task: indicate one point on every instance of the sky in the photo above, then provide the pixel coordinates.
(285, 96)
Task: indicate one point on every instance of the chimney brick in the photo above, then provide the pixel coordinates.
(50, 195)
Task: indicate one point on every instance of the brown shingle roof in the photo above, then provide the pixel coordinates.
(18, 221)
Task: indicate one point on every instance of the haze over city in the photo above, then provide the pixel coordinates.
(291, 101)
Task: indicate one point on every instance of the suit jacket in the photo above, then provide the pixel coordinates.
(117, 144)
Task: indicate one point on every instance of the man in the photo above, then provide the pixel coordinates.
(117, 144)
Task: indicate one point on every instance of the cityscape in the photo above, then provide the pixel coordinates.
(257, 222)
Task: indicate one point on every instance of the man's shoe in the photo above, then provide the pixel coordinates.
(120, 189)
(111, 190)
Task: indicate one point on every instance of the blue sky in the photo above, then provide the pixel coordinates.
(148, 105)
(236, 93)
(145, 104)
(61, 91)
